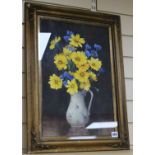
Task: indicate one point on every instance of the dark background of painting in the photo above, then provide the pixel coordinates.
(55, 102)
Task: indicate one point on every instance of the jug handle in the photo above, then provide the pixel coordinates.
(90, 102)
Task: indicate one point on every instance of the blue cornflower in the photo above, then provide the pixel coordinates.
(70, 77)
(69, 33)
(94, 53)
(97, 47)
(87, 46)
(66, 75)
(88, 53)
(66, 38)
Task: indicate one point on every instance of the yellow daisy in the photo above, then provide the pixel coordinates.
(84, 67)
(81, 75)
(55, 82)
(60, 61)
(66, 52)
(79, 58)
(85, 85)
(72, 87)
(54, 41)
(95, 63)
(93, 76)
(76, 41)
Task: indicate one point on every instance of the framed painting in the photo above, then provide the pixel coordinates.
(75, 80)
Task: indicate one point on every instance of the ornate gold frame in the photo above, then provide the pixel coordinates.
(36, 144)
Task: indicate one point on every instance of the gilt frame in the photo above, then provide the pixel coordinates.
(33, 11)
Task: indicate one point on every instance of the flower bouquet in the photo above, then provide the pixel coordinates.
(77, 62)
(78, 65)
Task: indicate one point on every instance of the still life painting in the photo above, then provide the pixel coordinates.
(76, 81)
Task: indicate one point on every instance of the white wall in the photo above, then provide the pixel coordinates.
(124, 9)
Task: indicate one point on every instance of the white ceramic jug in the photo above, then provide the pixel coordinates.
(77, 114)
